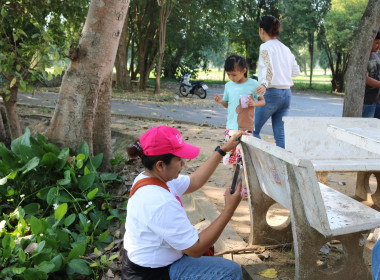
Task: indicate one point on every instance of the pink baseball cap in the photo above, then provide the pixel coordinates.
(161, 140)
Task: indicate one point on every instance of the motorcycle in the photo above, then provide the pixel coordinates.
(198, 88)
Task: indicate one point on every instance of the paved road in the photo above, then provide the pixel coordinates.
(318, 105)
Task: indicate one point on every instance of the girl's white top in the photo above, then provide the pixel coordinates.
(277, 65)
(157, 227)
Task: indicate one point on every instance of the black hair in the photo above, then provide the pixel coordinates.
(378, 35)
(234, 61)
(135, 151)
(271, 25)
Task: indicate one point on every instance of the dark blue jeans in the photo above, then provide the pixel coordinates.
(371, 111)
(376, 261)
(277, 102)
(205, 268)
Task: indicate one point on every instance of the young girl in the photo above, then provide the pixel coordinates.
(239, 114)
(276, 68)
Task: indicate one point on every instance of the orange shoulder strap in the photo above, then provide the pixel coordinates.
(147, 181)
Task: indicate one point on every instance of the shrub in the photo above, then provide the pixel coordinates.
(55, 210)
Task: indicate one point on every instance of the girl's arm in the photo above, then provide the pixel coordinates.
(259, 103)
(218, 99)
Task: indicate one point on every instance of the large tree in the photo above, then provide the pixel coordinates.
(193, 29)
(244, 31)
(357, 68)
(165, 10)
(302, 20)
(32, 34)
(337, 34)
(83, 111)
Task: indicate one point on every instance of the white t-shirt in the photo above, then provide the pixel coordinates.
(157, 227)
(277, 65)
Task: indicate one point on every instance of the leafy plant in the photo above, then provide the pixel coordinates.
(55, 209)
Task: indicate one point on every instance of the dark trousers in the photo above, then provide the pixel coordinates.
(132, 271)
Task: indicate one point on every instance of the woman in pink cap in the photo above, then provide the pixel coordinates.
(160, 242)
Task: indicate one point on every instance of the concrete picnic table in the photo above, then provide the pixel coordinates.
(367, 138)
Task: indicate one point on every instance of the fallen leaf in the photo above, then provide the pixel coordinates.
(268, 273)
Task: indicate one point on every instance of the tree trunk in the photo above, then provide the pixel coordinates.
(87, 76)
(164, 14)
(4, 130)
(123, 79)
(311, 52)
(10, 103)
(357, 66)
(102, 124)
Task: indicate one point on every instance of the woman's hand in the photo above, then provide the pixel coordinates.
(233, 141)
(261, 89)
(232, 200)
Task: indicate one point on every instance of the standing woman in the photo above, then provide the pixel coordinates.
(277, 66)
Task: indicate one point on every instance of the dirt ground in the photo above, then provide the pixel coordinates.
(207, 138)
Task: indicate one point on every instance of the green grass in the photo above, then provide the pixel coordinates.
(320, 81)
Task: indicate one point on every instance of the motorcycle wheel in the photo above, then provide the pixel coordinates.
(182, 91)
(202, 93)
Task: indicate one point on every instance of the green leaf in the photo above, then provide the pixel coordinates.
(57, 261)
(66, 180)
(22, 84)
(78, 251)
(108, 176)
(46, 266)
(81, 157)
(60, 212)
(49, 159)
(12, 175)
(51, 195)
(86, 181)
(69, 220)
(21, 255)
(33, 163)
(103, 236)
(84, 149)
(3, 181)
(32, 208)
(35, 225)
(23, 140)
(40, 246)
(14, 80)
(31, 274)
(18, 270)
(113, 257)
(79, 266)
(86, 171)
(64, 154)
(4, 12)
(6, 241)
(96, 161)
(92, 193)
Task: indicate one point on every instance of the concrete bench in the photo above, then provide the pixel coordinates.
(318, 213)
(308, 137)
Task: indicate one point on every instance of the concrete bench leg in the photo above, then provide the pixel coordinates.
(308, 242)
(259, 203)
(363, 191)
(322, 176)
(351, 266)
